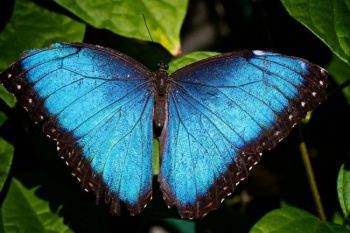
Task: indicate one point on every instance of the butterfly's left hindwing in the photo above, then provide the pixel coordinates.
(223, 112)
(97, 105)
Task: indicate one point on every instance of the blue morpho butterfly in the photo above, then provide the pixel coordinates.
(216, 117)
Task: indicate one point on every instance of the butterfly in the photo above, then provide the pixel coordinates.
(214, 118)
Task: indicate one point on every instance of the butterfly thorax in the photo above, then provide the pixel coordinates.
(161, 81)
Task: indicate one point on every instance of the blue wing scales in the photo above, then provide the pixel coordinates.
(97, 104)
(223, 112)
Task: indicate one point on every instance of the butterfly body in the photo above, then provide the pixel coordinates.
(214, 118)
(161, 88)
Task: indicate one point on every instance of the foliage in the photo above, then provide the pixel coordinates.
(290, 219)
(32, 26)
(344, 190)
(39, 196)
(7, 97)
(6, 155)
(126, 18)
(329, 21)
(340, 72)
(188, 59)
(23, 211)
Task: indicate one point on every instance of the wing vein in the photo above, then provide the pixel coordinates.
(208, 109)
(135, 88)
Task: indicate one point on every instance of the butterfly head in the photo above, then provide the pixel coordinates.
(163, 66)
(161, 79)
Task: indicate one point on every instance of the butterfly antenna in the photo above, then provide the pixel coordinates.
(144, 19)
(149, 33)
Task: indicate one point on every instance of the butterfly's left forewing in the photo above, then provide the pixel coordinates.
(97, 105)
(223, 112)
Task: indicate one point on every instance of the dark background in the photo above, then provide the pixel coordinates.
(280, 177)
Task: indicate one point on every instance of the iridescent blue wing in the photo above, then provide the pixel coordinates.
(223, 113)
(97, 105)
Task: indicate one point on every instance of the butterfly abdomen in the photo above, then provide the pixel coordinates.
(161, 82)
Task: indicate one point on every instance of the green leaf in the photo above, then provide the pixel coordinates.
(181, 226)
(343, 186)
(32, 26)
(189, 59)
(3, 118)
(340, 72)
(6, 156)
(329, 20)
(6, 96)
(156, 157)
(338, 218)
(23, 211)
(294, 220)
(2, 230)
(307, 118)
(163, 17)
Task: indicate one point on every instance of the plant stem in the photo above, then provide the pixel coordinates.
(310, 175)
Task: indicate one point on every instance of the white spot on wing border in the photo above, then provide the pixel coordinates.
(259, 52)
